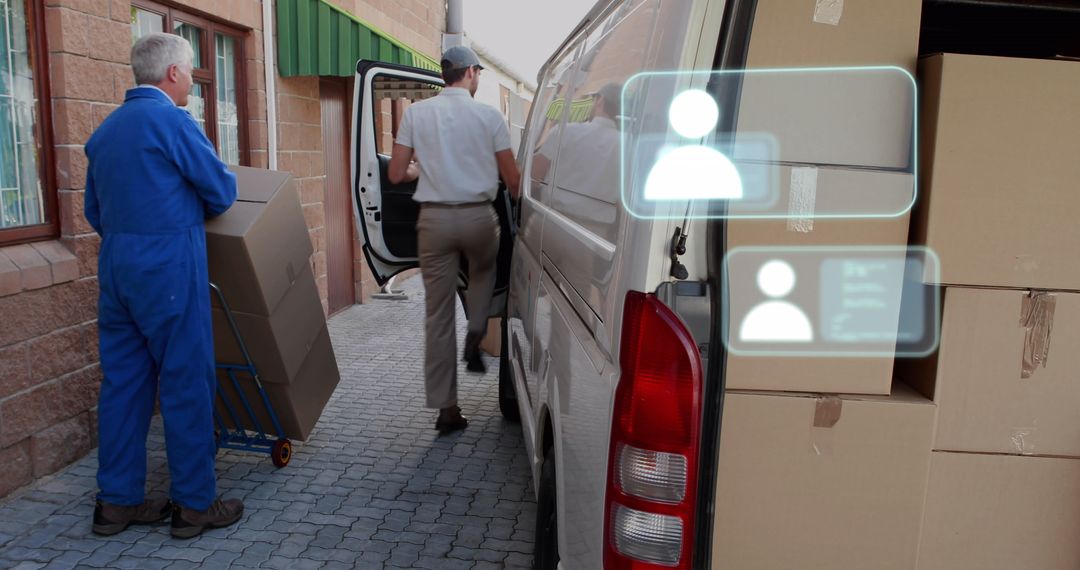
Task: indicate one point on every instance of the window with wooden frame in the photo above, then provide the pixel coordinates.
(28, 201)
(218, 96)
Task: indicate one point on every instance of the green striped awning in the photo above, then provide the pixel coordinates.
(580, 110)
(317, 38)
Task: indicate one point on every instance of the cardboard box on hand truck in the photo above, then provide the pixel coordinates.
(278, 344)
(260, 246)
(298, 405)
(258, 253)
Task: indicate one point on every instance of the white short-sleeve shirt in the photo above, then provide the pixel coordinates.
(455, 139)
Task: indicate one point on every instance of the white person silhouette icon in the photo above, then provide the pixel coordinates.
(693, 171)
(776, 320)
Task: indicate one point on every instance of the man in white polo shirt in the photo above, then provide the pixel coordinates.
(462, 147)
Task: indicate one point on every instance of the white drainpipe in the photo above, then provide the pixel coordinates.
(271, 83)
(455, 24)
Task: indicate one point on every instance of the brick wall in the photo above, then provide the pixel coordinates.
(300, 152)
(49, 374)
(416, 23)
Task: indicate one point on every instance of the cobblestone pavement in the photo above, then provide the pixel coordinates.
(373, 487)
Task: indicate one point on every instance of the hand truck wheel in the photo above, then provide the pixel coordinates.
(281, 452)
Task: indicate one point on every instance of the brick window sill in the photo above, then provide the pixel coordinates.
(36, 266)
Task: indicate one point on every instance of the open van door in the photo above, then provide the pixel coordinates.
(386, 213)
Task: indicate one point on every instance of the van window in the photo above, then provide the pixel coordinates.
(581, 230)
(548, 111)
(587, 175)
(390, 96)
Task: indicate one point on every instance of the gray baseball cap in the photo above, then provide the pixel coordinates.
(459, 57)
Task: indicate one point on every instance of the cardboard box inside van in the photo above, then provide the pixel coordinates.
(1005, 377)
(1000, 170)
(874, 127)
(1001, 511)
(820, 483)
(853, 375)
(813, 33)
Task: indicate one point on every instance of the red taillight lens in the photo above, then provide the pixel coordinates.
(652, 465)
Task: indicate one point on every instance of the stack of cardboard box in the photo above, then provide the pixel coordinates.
(969, 459)
(258, 255)
(823, 465)
(1001, 141)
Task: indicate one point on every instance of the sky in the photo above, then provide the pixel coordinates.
(522, 33)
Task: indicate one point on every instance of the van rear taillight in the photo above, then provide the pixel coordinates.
(652, 465)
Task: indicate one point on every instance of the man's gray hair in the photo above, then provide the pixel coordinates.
(152, 55)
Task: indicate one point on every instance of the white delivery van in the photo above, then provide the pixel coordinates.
(612, 270)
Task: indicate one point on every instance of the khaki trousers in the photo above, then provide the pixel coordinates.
(445, 233)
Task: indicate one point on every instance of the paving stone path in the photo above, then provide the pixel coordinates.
(374, 487)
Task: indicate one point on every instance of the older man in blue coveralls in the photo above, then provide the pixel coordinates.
(153, 179)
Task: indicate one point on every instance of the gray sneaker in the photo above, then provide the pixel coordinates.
(189, 523)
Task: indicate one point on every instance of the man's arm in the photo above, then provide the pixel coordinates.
(545, 150)
(402, 168)
(91, 208)
(199, 164)
(504, 157)
(540, 166)
(508, 170)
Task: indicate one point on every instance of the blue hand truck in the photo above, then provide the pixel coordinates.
(257, 440)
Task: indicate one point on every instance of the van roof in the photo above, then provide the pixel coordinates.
(593, 13)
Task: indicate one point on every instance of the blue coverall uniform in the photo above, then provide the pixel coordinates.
(153, 179)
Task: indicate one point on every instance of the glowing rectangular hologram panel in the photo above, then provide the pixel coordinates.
(726, 143)
(866, 301)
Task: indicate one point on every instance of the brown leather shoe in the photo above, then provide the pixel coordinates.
(110, 519)
(189, 523)
(471, 356)
(450, 420)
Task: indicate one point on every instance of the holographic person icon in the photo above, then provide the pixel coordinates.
(693, 171)
(776, 320)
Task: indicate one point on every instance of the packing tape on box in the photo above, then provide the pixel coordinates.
(1023, 440)
(802, 199)
(1037, 320)
(828, 12)
(827, 411)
